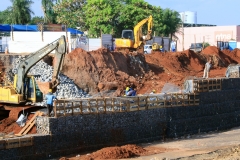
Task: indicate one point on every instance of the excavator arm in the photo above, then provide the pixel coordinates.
(24, 67)
(138, 35)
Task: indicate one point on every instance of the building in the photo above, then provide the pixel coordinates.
(210, 34)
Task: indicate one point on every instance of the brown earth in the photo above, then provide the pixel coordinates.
(9, 125)
(120, 152)
(102, 71)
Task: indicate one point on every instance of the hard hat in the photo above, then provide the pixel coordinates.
(154, 91)
(50, 90)
(127, 88)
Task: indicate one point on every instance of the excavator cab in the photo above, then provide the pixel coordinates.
(31, 90)
(127, 34)
(134, 39)
(127, 40)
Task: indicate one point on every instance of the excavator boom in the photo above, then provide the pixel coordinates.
(138, 35)
(25, 87)
(134, 39)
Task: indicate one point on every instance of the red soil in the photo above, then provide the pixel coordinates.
(126, 151)
(9, 125)
(103, 71)
(108, 73)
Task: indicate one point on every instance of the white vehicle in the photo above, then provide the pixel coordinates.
(147, 49)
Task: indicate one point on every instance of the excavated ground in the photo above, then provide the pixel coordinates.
(102, 71)
(105, 73)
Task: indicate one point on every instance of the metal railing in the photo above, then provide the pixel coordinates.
(123, 104)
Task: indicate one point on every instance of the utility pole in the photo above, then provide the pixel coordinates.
(183, 19)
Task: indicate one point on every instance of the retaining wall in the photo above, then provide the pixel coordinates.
(217, 110)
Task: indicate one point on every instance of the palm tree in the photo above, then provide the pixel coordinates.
(47, 7)
(21, 12)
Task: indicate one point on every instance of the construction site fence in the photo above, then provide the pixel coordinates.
(9, 142)
(207, 85)
(123, 104)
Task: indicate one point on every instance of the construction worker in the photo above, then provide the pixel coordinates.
(161, 49)
(130, 91)
(126, 91)
(50, 97)
(153, 91)
(208, 65)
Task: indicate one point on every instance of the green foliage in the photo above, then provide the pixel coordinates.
(112, 16)
(20, 11)
(36, 20)
(205, 44)
(5, 16)
(157, 13)
(49, 14)
(101, 16)
(70, 12)
(169, 23)
(133, 12)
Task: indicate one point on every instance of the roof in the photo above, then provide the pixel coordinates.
(32, 28)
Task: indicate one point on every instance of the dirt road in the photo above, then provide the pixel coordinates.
(221, 145)
(215, 145)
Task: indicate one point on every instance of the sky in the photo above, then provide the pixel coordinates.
(216, 12)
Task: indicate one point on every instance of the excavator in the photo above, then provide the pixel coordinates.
(133, 40)
(24, 89)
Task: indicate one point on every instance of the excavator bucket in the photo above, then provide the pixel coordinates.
(44, 86)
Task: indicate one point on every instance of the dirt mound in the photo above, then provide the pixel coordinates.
(102, 70)
(119, 152)
(220, 58)
(213, 50)
(126, 151)
(9, 125)
(234, 55)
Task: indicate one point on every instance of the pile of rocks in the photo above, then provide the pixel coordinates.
(66, 89)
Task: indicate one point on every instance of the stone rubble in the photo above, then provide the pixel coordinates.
(65, 90)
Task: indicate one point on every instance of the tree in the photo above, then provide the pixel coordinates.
(20, 11)
(132, 12)
(5, 16)
(49, 14)
(70, 12)
(36, 20)
(104, 18)
(169, 23)
(112, 16)
(157, 18)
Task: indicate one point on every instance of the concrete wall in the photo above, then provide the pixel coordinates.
(210, 34)
(28, 42)
(219, 110)
(4, 43)
(91, 44)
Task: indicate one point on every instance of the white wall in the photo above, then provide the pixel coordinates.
(4, 43)
(92, 44)
(210, 34)
(28, 42)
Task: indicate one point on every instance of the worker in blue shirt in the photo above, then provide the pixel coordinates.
(50, 97)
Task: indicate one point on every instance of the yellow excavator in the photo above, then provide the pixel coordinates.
(134, 39)
(24, 88)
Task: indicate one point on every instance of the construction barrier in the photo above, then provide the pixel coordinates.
(16, 142)
(203, 85)
(123, 104)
